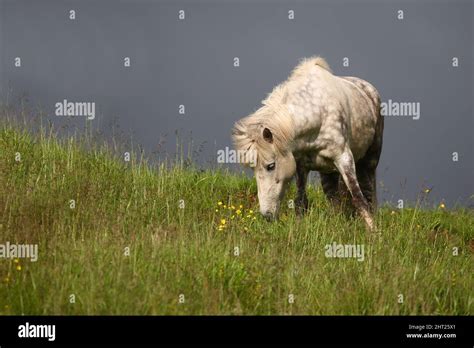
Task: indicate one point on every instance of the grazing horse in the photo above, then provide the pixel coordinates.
(315, 121)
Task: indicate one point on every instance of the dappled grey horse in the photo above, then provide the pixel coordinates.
(315, 121)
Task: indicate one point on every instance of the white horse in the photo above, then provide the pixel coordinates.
(315, 121)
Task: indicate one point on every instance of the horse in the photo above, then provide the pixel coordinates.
(315, 121)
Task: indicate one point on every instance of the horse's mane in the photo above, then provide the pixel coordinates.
(274, 115)
(307, 64)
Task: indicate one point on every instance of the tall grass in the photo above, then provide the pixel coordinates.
(145, 239)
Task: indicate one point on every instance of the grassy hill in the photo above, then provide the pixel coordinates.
(119, 237)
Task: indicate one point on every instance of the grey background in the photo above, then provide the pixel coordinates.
(190, 62)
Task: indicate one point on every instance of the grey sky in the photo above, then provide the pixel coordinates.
(190, 62)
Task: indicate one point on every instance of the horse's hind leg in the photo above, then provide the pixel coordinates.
(346, 167)
(366, 167)
(345, 198)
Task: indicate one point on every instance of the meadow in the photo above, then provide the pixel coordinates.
(129, 237)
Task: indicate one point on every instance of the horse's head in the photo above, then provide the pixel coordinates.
(274, 166)
(273, 172)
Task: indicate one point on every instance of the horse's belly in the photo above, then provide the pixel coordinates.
(314, 161)
(323, 164)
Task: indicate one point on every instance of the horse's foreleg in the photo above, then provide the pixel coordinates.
(301, 203)
(345, 165)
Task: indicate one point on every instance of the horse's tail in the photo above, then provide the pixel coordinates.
(372, 155)
(367, 165)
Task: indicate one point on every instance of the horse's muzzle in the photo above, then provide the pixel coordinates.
(269, 216)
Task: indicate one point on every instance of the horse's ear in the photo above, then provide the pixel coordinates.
(267, 135)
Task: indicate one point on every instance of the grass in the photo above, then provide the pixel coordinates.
(130, 247)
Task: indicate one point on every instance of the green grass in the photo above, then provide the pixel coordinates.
(173, 251)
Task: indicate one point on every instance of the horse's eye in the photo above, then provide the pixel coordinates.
(271, 166)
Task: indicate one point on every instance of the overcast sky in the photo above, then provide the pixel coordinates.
(190, 62)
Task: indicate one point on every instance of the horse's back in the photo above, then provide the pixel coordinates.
(327, 103)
